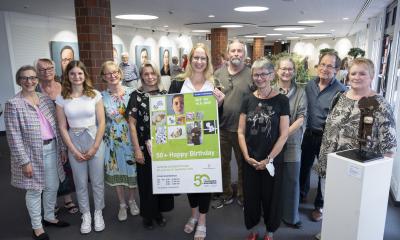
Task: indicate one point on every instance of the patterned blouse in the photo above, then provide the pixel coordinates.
(342, 126)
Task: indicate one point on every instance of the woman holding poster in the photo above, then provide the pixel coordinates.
(138, 115)
(198, 77)
(262, 132)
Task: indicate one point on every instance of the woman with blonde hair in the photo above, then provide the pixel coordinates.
(138, 115)
(198, 77)
(120, 166)
(80, 114)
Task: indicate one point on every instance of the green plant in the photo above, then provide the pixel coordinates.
(355, 52)
(302, 75)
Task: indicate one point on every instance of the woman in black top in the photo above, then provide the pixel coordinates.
(263, 130)
(138, 114)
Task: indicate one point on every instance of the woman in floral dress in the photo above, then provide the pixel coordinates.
(120, 166)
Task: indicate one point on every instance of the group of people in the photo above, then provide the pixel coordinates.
(274, 129)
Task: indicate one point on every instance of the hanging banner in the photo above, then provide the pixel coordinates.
(185, 154)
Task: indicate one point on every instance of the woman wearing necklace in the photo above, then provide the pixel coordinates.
(36, 148)
(138, 115)
(82, 106)
(262, 132)
(120, 166)
(291, 163)
(343, 121)
(197, 78)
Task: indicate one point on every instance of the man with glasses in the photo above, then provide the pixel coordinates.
(67, 55)
(320, 93)
(130, 76)
(235, 81)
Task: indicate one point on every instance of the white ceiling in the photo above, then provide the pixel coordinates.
(177, 14)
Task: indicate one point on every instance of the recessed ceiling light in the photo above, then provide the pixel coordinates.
(311, 21)
(211, 16)
(292, 37)
(231, 26)
(288, 28)
(255, 36)
(165, 26)
(136, 17)
(332, 30)
(315, 35)
(274, 34)
(251, 9)
(201, 31)
(345, 18)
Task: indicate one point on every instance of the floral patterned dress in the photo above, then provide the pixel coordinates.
(120, 166)
(342, 126)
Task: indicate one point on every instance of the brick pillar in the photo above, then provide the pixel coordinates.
(277, 48)
(93, 25)
(258, 48)
(219, 40)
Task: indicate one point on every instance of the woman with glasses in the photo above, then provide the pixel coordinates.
(262, 133)
(138, 115)
(287, 86)
(120, 166)
(50, 87)
(80, 114)
(198, 77)
(36, 148)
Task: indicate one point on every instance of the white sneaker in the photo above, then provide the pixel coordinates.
(98, 221)
(133, 208)
(122, 215)
(86, 226)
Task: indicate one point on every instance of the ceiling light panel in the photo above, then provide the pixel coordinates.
(288, 29)
(310, 21)
(231, 26)
(136, 17)
(251, 9)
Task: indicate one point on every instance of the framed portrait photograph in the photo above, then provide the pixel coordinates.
(62, 53)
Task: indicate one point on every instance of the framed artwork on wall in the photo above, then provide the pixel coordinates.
(142, 54)
(165, 60)
(62, 53)
(117, 51)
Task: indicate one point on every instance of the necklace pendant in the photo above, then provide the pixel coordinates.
(260, 104)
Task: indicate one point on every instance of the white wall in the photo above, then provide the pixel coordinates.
(25, 37)
(311, 47)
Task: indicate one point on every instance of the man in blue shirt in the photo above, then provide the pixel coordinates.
(131, 73)
(320, 93)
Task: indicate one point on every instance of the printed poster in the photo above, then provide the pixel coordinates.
(186, 154)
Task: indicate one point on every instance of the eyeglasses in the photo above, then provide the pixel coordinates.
(198, 59)
(49, 69)
(66, 60)
(31, 78)
(286, 69)
(115, 73)
(262, 75)
(329, 67)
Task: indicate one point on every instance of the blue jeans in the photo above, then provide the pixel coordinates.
(33, 198)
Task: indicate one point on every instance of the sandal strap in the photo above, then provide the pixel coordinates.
(192, 220)
(201, 231)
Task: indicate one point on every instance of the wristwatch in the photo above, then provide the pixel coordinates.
(270, 160)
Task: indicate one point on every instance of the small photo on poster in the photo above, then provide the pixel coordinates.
(176, 104)
(190, 116)
(159, 119)
(171, 120)
(161, 135)
(210, 127)
(157, 104)
(180, 119)
(177, 132)
(194, 133)
(199, 116)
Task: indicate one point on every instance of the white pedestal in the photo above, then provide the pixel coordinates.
(356, 198)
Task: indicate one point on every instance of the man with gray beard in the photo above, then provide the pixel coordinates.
(235, 82)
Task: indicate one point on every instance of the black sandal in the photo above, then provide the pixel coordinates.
(71, 207)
